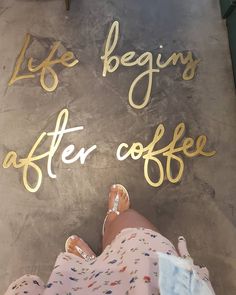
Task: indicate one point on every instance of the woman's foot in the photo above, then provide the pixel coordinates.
(118, 202)
(78, 247)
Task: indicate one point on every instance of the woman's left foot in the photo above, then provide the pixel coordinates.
(78, 247)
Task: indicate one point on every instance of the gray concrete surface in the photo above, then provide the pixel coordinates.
(34, 226)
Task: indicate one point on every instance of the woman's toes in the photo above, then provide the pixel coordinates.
(74, 243)
(70, 247)
(113, 188)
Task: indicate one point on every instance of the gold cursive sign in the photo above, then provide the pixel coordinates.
(112, 62)
(31, 159)
(150, 154)
(45, 68)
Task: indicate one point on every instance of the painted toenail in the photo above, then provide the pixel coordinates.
(73, 237)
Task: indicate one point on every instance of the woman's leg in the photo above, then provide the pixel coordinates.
(127, 218)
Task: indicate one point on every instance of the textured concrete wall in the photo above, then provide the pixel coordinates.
(34, 226)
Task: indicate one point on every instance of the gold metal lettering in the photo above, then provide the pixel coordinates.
(129, 59)
(29, 161)
(46, 67)
(188, 60)
(150, 154)
(19, 62)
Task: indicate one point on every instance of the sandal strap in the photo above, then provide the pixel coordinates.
(84, 255)
(115, 206)
(113, 211)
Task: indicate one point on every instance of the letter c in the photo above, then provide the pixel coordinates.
(118, 155)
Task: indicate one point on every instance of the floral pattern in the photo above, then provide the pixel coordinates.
(128, 266)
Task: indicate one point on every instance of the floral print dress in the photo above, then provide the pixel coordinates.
(129, 265)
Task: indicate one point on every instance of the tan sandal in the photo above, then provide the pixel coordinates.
(82, 253)
(116, 204)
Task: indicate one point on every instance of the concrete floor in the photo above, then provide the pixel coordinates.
(34, 226)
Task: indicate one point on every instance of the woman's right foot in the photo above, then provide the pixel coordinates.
(118, 202)
(78, 247)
